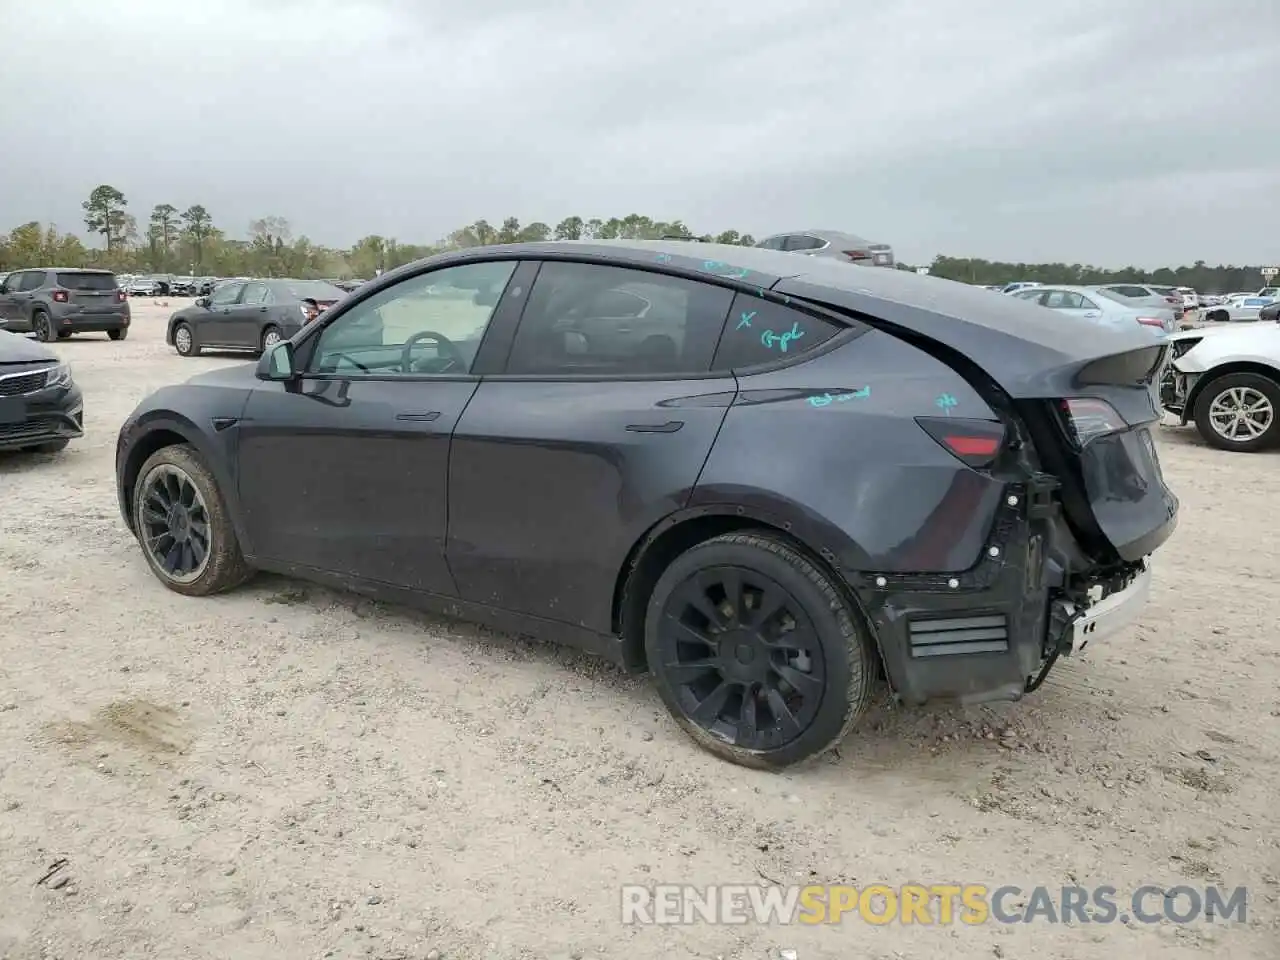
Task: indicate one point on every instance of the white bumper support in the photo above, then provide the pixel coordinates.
(1113, 613)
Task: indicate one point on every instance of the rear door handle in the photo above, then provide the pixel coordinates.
(419, 417)
(671, 426)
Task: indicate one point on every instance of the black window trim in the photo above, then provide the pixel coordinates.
(499, 337)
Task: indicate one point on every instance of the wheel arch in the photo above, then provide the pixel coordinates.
(654, 551)
(1235, 366)
(166, 430)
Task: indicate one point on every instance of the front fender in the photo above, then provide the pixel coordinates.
(149, 431)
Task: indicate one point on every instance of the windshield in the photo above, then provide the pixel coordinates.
(87, 281)
(315, 289)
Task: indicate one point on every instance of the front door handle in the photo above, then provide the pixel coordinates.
(671, 426)
(419, 417)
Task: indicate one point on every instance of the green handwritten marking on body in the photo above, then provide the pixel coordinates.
(826, 399)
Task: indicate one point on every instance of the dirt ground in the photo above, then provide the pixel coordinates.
(291, 772)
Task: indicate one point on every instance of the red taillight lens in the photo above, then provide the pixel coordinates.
(975, 442)
(857, 254)
(1087, 419)
(120, 297)
(60, 296)
(1151, 322)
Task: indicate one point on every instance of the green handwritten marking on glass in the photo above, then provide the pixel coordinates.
(782, 340)
(664, 258)
(721, 269)
(946, 402)
(746, 319)
(826, 399)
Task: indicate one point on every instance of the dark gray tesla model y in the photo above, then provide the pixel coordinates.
(771, 481)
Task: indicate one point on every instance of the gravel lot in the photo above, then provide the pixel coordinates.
(291, 772)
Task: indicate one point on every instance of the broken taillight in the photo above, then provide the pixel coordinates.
(60, 296)
(1087, 419)
(977, 443)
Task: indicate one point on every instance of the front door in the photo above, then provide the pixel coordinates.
(215, 327)
(248, 317)
(8, 303)
(346, 470)
(585, 440)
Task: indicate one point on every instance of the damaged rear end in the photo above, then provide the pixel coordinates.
(1084, 505)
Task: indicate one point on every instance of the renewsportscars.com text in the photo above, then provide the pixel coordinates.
(929, 904)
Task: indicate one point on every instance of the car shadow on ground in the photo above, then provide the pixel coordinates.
(892, 740)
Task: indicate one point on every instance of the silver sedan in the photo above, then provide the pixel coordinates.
(1095, 305)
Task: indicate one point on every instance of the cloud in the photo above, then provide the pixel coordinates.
(1091, 132)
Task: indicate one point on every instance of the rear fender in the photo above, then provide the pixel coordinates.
(829, 450)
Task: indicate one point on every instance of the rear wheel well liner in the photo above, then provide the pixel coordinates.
(675, 534)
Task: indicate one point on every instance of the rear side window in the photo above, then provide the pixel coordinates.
(760, 331)
(33, 280)
(254, 294)
(771, 243)
(586, 319)
(87, 281)
(802, 242)
(1064, 300)
(1131, 291)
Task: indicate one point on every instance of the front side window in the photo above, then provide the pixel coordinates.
(428, 324)
(226, 295)
(771, 243)
(591, 320)
(32, 281)
(760, 331)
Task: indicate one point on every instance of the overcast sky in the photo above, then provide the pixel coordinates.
(1102, 131)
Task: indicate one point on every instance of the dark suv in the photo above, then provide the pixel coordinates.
(55, 302)
(767, 479)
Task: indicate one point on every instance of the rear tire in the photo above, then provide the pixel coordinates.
(1242, 403)
(119, 334)
(177, 476)
(800, 668)
(43, 326)
(64, 335)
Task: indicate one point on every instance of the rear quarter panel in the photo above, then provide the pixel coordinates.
(828, 449)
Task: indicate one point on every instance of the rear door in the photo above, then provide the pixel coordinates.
(1071, 303)
(575, 447)
(1086, 391)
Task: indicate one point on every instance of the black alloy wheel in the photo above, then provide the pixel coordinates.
(183, 525)
(42, 326)
(756, 654)
(174, 523)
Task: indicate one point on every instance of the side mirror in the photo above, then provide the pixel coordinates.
(202, 302)
(277, 363)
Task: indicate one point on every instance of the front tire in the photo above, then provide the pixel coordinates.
(1238, 411)
(184, 341)
(184, 527)
(756, 653)
(270, 337)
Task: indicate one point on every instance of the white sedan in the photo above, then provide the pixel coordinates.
(1226, 379)
(1237, 309)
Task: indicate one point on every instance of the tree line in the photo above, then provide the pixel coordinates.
(187, 241)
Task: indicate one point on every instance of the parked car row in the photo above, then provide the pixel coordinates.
(1106, 305)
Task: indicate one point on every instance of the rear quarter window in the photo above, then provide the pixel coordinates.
(87, 281)
(760, 331)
